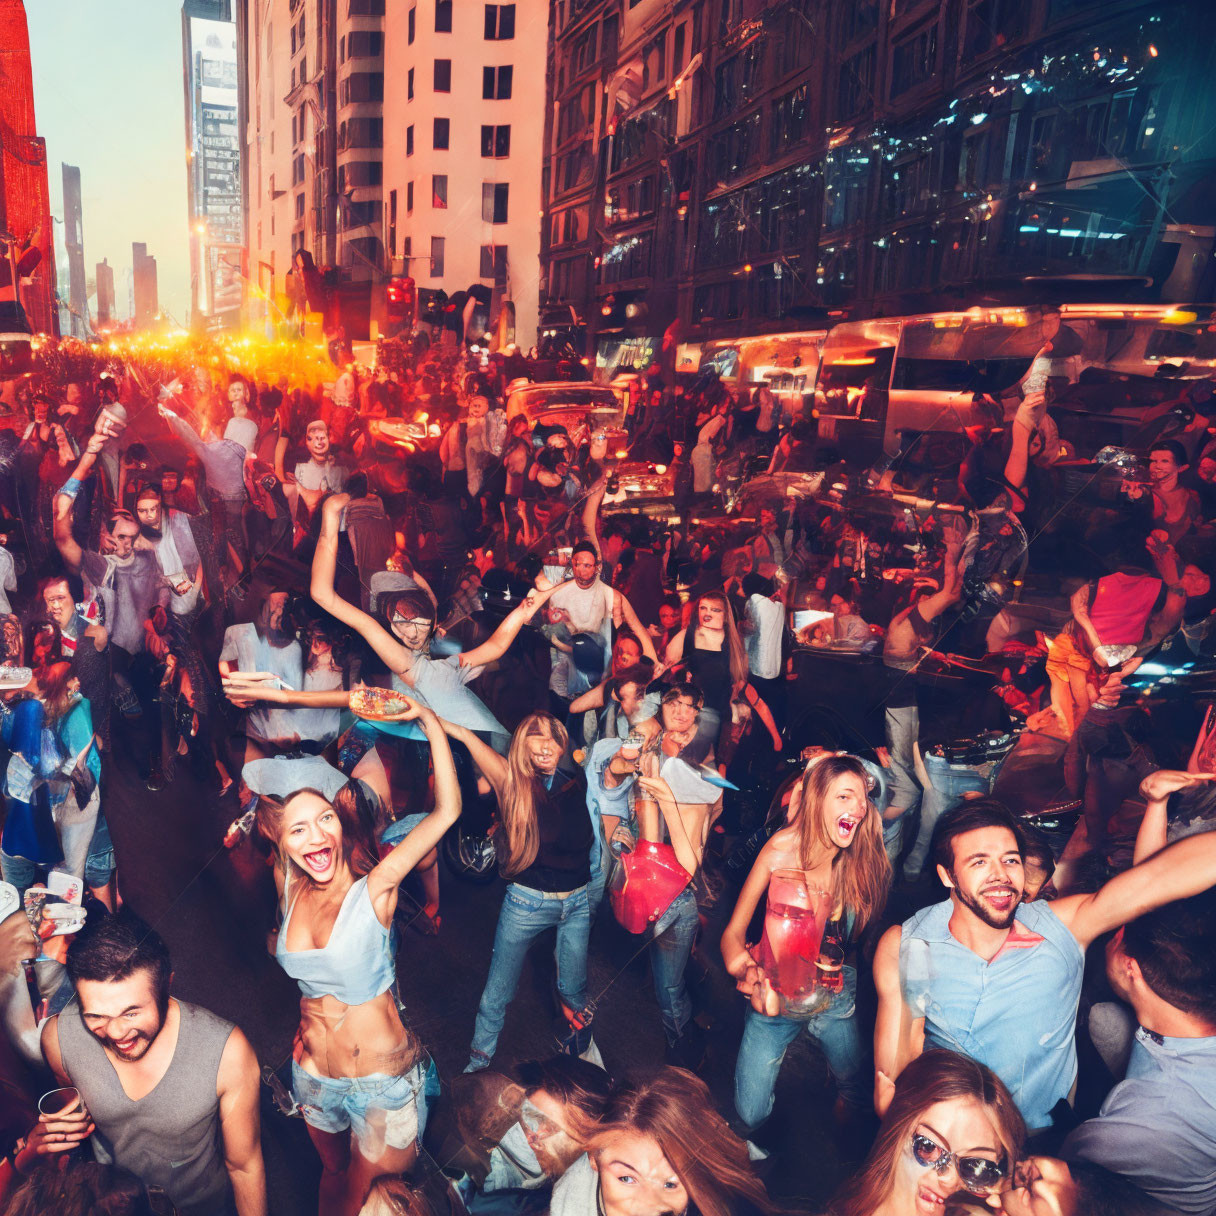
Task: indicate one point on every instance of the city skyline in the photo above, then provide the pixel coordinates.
(90, 91)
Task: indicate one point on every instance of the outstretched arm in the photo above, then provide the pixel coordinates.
(239, 1085)
(324, 565)
(1185, 868)
(591, 515)
(65, 502)
(757, 702)
(492, 765)
(383, 881)
(496, 645)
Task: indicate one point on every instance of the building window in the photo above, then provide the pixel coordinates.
(361, 86)
(914, 60)
(299, 206)
(443, 75)
(789, 123)
(411, 23)
(407, 248)
(409, 85)
(436, 257)
(494, 263)
(677, 49)
(443, 16)
(993, 25)
(494, 202)
(855, 85)
(366, 8)
(585, 48)
(409, 198)
(443, 133)
(392, 223)
(496, 141)
(496, 83)
(500, 22)
(409, 140)
(439, 192)
(364, 44)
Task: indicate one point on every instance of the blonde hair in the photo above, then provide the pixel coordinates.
(861, 874)
(519, 794)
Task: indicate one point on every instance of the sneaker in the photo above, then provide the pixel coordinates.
(155, 780)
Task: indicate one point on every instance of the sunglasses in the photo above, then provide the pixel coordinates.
(977, 1174)
(418, 622)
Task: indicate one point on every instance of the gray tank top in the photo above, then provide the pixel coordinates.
(171, 1137)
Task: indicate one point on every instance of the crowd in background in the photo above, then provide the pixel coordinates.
(379, 613)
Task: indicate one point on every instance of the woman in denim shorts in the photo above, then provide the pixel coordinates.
(358, 1074)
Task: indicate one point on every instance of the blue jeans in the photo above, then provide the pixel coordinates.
(947, 785)
(99, 865)
(670, 949)
(766, 1040)
(18, 871)
(902, 728)
(524, 916)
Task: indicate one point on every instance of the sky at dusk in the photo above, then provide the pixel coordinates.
(109, 97)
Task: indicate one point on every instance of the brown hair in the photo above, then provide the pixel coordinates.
(933, 1077)
(676, 1110)
(861, 874)
(732, 643)
(519, 794)
(359, 849)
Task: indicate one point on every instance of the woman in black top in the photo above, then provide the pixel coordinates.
(544, 848)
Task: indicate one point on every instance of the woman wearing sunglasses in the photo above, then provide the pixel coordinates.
(833, 836)
(952, 1126)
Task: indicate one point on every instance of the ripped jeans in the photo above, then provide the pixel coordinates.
(766, 1040)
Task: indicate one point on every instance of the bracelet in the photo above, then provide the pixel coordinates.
(1175, 589)
(71, 487)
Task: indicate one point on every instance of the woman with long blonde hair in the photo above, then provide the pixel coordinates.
(662, 1149)
(711, 653)
(833, 836)
(359, 1074)
(545, 849)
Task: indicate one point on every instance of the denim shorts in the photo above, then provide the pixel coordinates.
(399, 829)
(382, 1111)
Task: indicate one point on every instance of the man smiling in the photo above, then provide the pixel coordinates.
(998, 979)
(195, 1137)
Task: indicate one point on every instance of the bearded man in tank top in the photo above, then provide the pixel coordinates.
(171, 1089)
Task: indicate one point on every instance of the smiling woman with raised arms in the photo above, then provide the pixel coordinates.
(358, 1073)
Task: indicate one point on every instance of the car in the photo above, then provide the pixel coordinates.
(567, 404)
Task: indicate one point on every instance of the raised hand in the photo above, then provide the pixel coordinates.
(1158, 786)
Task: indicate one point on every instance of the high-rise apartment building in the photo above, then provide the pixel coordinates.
(73, 244)
(464, 106)
(105, 293)
(752, 166)
(312, 87)
(25, 208)
(209, 49)
(144, 305)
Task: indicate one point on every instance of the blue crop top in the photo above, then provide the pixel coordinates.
(355, 965)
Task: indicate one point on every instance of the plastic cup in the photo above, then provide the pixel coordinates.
(56, 1101)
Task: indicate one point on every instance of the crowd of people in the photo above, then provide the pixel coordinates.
(380, 616)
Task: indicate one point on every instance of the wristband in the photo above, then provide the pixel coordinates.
(1175, 589)
(71, 487)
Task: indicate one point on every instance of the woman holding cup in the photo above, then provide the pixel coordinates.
(63, 1125)
(828, 860)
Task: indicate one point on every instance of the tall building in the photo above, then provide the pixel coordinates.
(105, 293)
(752, 166)
(209, 43)
(312, 86)
(25, 209)
(73, 243)
(464, 103)
(144, 306)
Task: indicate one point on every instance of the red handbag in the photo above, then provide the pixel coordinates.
(645, 883)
